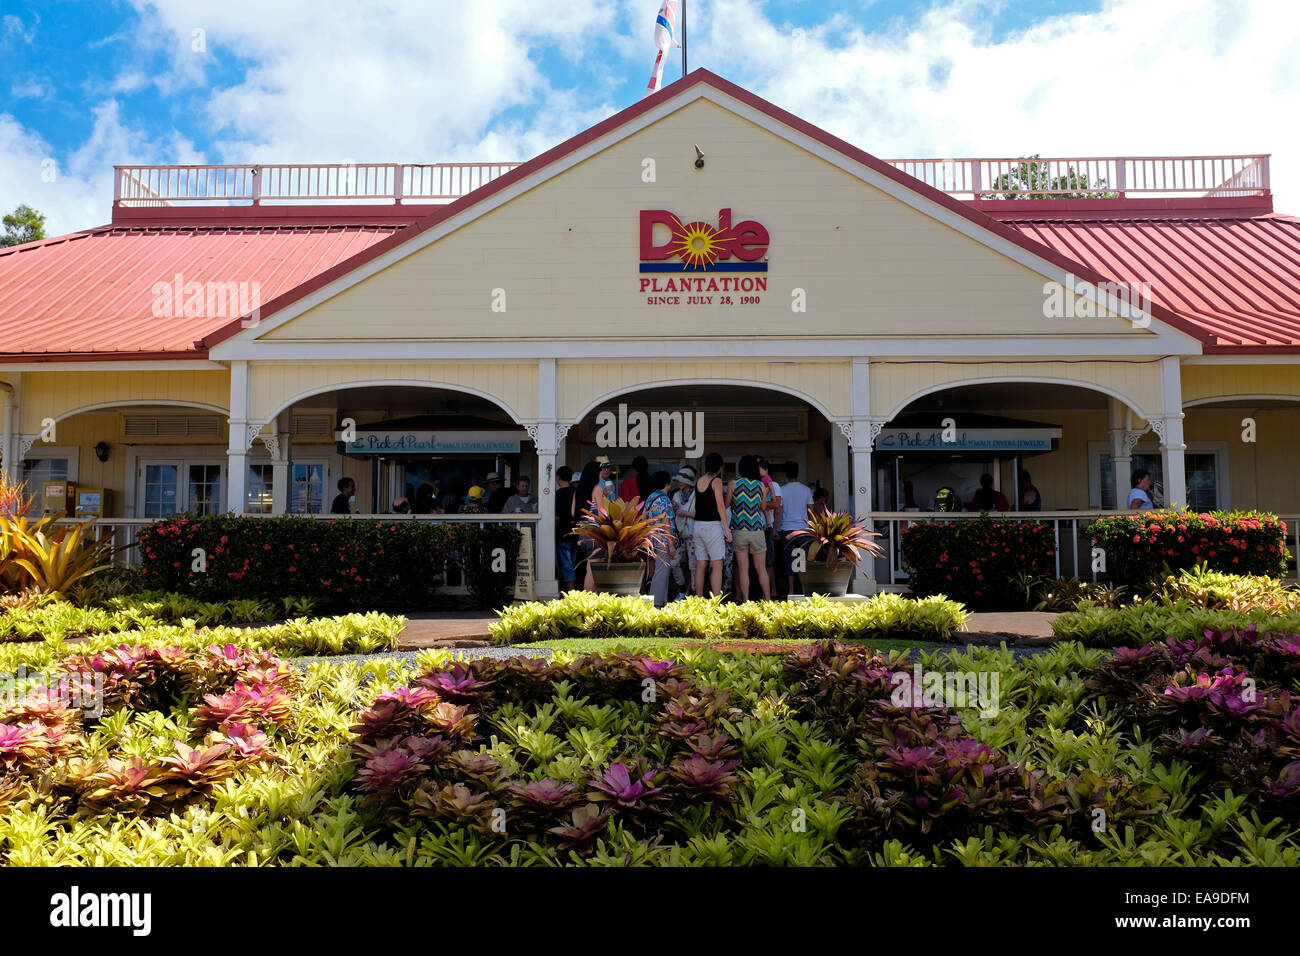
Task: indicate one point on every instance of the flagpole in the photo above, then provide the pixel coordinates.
(683, 38)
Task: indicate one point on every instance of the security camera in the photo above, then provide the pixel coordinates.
(699, 158)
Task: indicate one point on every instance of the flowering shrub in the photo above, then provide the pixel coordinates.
(1139, 545)
(61, 749)
(976, 561)
(1222, 703)
(370, 563)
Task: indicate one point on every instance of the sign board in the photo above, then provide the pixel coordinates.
(970, 439)
(435, 442)
(524, 571)
(687, 266)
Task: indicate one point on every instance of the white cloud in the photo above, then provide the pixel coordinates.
(411, 81)
(1175, 77)
(30, 87)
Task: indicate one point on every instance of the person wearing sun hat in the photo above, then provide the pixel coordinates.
(497, 493)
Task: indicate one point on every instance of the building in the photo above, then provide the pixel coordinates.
(888, 325)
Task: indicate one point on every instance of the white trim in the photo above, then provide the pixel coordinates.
(247, 343)
(128, 403)
(183, 464)
(1151, 449)
(1213, 399)
(135, 366)
(915, 348)
(1017, 379)
(378, 383)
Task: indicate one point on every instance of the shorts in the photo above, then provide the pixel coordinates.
(710, 543)
(749, 541)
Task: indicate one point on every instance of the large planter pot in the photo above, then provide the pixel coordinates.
(618, 577)
(818, 579)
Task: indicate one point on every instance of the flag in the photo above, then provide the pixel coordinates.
(665, 24)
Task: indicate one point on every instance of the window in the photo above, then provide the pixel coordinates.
(258, 494)
(307, 488)
(1206, 473)
(168, 486)
(51, 464)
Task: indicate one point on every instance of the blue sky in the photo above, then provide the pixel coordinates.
(92, 82)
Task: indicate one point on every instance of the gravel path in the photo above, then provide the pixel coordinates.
(458, 653)
(501, 653)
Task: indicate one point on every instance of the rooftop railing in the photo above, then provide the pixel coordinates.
(397, 183)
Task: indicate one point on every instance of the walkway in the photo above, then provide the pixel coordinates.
(470, 629)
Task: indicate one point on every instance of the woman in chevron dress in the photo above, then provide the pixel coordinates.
(748, 527)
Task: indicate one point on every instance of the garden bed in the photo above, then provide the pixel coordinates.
(228, 757)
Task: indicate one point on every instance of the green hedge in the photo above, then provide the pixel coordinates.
(977, 561)
(343, 563)
(1139, 545)
(1138, 624)
(588, 614)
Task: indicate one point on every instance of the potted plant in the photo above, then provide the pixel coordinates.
(834, 537)
(625, 536)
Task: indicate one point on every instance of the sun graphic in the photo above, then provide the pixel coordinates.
(696, 244)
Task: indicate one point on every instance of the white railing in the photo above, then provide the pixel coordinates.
(1072, 546)
(397, 183)
(301, 183)
(1121, 176)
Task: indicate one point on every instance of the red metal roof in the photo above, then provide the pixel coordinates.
(1238, 279)
(93, 292)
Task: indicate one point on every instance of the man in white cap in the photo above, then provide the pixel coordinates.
(684, 518)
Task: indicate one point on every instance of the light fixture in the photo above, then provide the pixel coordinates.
(101, 451)
(699, 158)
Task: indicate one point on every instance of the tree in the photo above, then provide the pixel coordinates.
(1032, 180)
(24, 224)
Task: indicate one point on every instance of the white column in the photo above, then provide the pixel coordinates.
(839, 469)
(13, 428)
(861, 434)
(1170, 429)
(546, 435)
(240, 439)
(281, 450)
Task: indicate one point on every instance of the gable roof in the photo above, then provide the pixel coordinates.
(705, 80)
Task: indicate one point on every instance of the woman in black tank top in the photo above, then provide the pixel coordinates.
(711, 532)
(707, 509)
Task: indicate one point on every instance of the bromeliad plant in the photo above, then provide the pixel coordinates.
(622, 530)
(837, 536)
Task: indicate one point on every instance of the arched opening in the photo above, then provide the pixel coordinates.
(428, 444)
(130, 459)
(1057, 450)
(1255, 455)
(677, 425)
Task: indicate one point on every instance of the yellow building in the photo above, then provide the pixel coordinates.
(892, 327)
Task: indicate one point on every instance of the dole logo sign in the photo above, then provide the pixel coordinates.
(701, 246)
